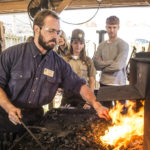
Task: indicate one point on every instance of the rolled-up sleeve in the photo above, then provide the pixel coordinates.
(71, 81)
(5, 63)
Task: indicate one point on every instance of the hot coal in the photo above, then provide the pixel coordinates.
(70, 129)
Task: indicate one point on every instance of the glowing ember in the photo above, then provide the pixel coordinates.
(125, 126)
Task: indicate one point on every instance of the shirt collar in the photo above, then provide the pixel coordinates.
(34, 49)
(63, 51)
(75, 57)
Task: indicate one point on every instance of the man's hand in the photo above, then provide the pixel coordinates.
(90, 98)
(14, 114)
(102, 111)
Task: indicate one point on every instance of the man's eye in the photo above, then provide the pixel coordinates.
(51, 30)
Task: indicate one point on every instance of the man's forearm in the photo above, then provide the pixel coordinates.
(14, 113)
(92, 83)
(4, 101)
(88, 95)
(100, 65)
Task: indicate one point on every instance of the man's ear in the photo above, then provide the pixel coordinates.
(36, 29)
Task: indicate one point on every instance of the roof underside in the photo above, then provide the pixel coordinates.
(9, 6)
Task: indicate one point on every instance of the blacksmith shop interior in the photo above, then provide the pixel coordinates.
(74, 75)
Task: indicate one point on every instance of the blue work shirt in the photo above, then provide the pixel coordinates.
(30, 81)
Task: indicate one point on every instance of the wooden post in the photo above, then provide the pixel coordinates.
(2, 39)
(148, 47)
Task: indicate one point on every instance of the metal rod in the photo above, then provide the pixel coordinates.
(29, 131)
(42, 129)
(17, 141)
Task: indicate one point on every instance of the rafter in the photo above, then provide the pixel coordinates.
(9, 6)
(64, 4)
(16, 6)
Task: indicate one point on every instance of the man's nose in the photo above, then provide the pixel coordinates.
(54, 35)
(111, 29)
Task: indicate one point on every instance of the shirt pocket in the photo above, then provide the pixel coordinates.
(54, 79)
(18, 82)
(20, 75)
(50, 86)
(84, 72)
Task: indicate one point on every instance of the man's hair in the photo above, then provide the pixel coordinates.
(112, 20)
(41, 15)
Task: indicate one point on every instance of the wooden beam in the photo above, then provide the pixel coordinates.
(64, 4)
(82, 4)
(21, 5)
(148, 1)
(17, 6)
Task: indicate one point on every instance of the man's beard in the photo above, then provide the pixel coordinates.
(44, 44)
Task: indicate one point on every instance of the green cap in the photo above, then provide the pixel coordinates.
(77, 34)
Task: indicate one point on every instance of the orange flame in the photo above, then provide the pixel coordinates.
(125, 126)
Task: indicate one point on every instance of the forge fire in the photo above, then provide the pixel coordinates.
(126, 127)
(78, 129)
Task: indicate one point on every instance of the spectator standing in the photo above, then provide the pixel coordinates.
(62, 43)
(81, 65)
(111, 56)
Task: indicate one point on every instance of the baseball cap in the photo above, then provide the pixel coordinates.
(78, 34)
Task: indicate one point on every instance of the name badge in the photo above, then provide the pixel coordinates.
(48, 72)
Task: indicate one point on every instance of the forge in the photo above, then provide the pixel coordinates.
(67, 129)
(139, 88)
(70, 129)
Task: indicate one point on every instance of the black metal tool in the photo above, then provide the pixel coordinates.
(29, 131)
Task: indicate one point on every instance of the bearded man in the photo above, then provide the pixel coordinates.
(31, 73)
